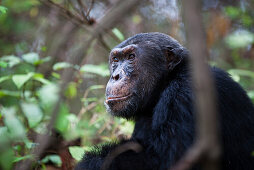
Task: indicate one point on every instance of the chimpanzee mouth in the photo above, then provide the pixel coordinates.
(117, 98)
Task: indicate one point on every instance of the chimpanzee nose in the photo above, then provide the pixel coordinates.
(115, 77)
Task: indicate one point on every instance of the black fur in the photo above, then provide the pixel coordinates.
(164, 113)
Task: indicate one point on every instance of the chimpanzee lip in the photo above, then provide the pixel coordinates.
(117, 98)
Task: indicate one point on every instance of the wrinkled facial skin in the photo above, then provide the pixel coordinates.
(131, 81)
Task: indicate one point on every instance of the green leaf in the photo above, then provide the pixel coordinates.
(43, 60)
(9, 93)
(95, 87)
(11, 60)
(56, 75)
(61, 65)
(42, 80)
(4, 135)
(77, 152)
(71, 90)
(31, 58)
(55, 159)
(13, 124)
(33, 113)
(241, 72)
(17, 159)
(118, 34)
(232, 12)
(101, 70)
(62, 122)
(239, 39)
(3, 64)
(3, 10)
(251, 94)
(6, 158)
(48, 95)
(20, 79)
(4, 78)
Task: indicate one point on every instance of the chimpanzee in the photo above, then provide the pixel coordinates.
(150, 83)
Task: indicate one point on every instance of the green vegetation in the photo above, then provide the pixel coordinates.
(36, 45)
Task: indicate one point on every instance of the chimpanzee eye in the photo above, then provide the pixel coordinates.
(131, 56)
(115, 59)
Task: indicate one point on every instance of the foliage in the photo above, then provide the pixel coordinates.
(27, 98)
(35, 46)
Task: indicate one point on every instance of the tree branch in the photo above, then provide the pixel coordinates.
(68, 14)
(207, 145)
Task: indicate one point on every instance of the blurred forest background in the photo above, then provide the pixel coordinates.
(45, 90)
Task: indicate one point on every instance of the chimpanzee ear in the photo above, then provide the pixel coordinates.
(173, 56)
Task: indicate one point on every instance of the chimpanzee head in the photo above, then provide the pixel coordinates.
(137, 65)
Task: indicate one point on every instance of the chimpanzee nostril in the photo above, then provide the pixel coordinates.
(116, 77)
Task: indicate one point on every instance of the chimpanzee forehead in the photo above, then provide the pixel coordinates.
(125, 50)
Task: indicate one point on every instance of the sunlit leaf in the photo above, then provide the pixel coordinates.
(101, 70)
(9, 93)
(20, 79)
(61, 65)
(251, 94)
(56, 75)
(55, 159)
(48, 94)
(43, 60)
(3, 10)
(118, 34)
(17, 159)
(71, 90)
(4, 78)
(241, 72)
(232, 12)
(40, 77)
(11, 60)
(31, 58)
(95, 87)
(62, 122)
(42, 80)
(13, 124)
(127, 127)
(29, 144)
(239, 39)
(3, 64)
(77, 152)
(33, 113)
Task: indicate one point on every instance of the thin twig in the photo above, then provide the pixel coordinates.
(103, 43)
(83, 9)
(90, 8)
(76, 19)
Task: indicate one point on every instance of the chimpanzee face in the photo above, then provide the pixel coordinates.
(120, 91)
(137, 65)
(131, 81)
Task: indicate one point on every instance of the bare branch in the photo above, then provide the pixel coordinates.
(134, 146)
(83, 9)
(206, 145)
(90, 8)
(68, 14)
